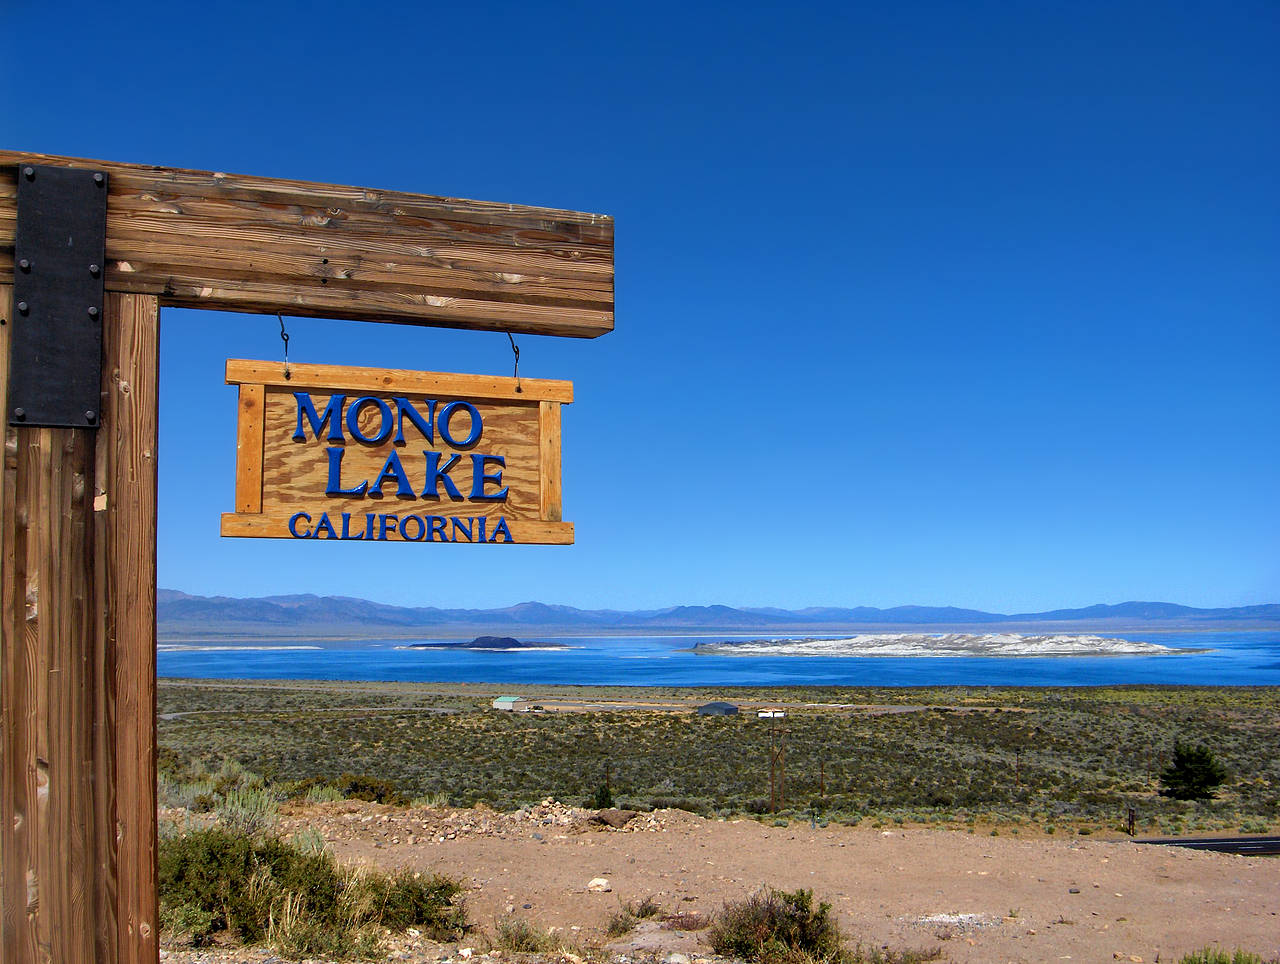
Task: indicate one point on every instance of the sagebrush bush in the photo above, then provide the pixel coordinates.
(247, 810)
(776, 926)
(297, 897)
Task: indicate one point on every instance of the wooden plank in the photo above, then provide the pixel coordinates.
(211, 240)
(295, 474)
(127, 444)
(494, 387)
(549, 460)
(275, 525)
(53, 499)
(249, 426)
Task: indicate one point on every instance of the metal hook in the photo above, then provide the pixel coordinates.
(284, 337)
(516, 372)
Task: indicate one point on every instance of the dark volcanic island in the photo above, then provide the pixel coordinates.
(492, 644)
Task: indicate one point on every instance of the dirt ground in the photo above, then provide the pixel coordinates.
(981, 899)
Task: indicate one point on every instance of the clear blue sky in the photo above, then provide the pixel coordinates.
(957, 303)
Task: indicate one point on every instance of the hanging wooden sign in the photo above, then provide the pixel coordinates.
(377, 455)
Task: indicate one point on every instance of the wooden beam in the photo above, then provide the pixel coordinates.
(200, 239)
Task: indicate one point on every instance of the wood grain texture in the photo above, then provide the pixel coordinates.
(296, 474)
(52, 501)
(212, 240)
(490, 387)
(19, 708)
(249, 449)
(281, 475)
(126, 445)
(77, 646)
(549, 460)
(275, 525)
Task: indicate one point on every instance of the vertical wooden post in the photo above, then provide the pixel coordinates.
(77, 652)
(125, 507)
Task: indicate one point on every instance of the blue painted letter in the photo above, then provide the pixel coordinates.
(425, 426)
(446, 431)
(332, 415)
(478, 478)
(393, 470)
(335, 476)
(353, 420)
(436, 475)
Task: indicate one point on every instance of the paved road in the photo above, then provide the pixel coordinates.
(1250, 846)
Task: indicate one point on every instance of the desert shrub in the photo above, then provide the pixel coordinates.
(602, 799)
(261, 887)
(246, 810)
(194, 795)
(685, 920)
(411, 899)
(358, 786)
(620, 923)
(309, 840)
(184, 923)
(776, 926)
(292, 930)
(630, 914)
(644, 909)
(1214, 955)
(1193, 775)
(322, 793)
(517, 934)
(438, 799)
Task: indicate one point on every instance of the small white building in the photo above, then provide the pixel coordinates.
(770, 714)
(515, 704)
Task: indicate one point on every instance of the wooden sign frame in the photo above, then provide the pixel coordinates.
(258, 515)
(78, 505)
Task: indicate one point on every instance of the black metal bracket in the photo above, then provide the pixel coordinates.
(55, 367)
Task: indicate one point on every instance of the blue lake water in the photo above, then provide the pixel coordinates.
(1236, 659)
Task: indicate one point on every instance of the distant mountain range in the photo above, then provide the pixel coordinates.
(195, 617)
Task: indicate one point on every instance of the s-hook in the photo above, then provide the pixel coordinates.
(284, 337)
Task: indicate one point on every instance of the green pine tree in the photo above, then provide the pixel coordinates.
(1194, 774)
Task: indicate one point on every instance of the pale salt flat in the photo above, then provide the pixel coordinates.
(941, 644)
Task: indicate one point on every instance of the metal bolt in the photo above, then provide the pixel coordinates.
(93, 312)
(95, 269)
(90, 416)
(19, 413)
(98, 178)
(24, 264)
(22, 307)
(29, 173)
